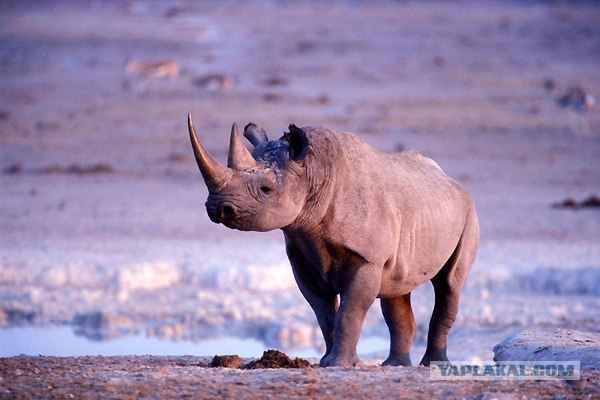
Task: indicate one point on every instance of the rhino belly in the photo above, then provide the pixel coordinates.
(419, 258)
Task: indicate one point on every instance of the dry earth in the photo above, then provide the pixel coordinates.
(101, 207)
(189, 377)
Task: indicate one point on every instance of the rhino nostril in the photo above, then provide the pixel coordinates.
(227, 211)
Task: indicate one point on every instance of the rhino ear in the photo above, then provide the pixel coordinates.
(298, 141)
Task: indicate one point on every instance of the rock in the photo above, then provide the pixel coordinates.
(567, 203)
(228, 361)
(591, 202)
(551, 345)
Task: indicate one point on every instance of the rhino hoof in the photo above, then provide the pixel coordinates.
(434, 355)
(333, 361)
(401, 360)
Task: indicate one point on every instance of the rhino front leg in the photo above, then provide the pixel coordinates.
(325, 308)
(357, 296)
(400, 320)
(324, 303)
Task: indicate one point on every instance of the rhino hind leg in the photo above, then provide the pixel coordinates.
(447, 285)
(400, 320)
(442, 318)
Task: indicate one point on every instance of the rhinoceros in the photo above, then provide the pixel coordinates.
(358, 224)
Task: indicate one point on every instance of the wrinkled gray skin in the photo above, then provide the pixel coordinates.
(357, 223)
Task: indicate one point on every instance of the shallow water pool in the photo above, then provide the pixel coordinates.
(63, 342)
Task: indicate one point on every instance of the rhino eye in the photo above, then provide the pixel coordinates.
(266, 189)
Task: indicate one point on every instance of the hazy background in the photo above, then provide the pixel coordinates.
(103, 232)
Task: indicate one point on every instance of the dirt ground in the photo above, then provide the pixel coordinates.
(102, 209)
(189, 377)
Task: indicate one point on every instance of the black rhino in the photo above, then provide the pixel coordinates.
(358, 225)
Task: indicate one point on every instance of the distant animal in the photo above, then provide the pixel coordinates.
(577, 99)
(358, 225)
(577, 102)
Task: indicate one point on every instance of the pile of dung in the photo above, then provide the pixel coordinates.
(269, 359)
(277, 359)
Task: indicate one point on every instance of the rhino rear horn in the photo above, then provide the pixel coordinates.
(215, 175)
(255, 135)
(239, 157)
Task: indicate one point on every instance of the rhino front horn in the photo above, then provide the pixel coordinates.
(215, 175)
(239, 157)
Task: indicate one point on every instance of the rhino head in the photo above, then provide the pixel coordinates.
(258, 191)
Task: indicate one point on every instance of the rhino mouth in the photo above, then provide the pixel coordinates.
(228, 214)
